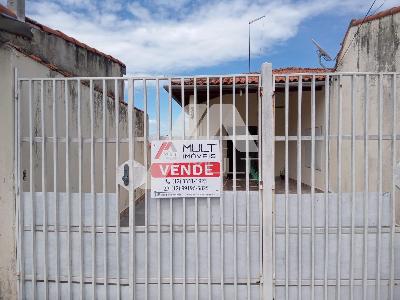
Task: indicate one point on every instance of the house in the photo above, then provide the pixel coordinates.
(32, 50)
(369, 45)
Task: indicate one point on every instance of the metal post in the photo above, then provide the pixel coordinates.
(267, 184)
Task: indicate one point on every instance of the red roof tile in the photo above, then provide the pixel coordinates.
(382, 14)
(358, 22)
(4, 10)
(252, 79)
(297, 70)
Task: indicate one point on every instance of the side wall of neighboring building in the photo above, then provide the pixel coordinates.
(9, 60)
(375, 48)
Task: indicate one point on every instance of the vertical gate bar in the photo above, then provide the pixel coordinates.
(80, 190)
(221, 200)
(274, 203)
(44, 190)
(299, 195)
(260, 203)
(196, 203)
(366, 188)
(339, 189)
(183, 199)
(208, 199)
(33, 228)
(117, 221)
(55, 157)
(171, 207)
(146, 200)
(92, 187)
(312, 186)
(247, 190)
(132, 202)
(326, 194)
(379, 237)
(286, 186)
(67, 189)
(158, 200)
(353, 179)
(105, 198)
(268, 163)
(393, 221)
(17, 176)
(234, 188)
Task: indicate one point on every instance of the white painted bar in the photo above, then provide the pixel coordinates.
(221, 201)
(286, 187)
(92, 187)
(366, 187)
(326, 194)
(81, 208)
(313, 185)
(379, 237)
(31, 189)
(116, 215)
(299, 210)
(393, 208)
(44, 189)
(105, 248)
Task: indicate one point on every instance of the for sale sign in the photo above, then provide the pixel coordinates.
(186, 168)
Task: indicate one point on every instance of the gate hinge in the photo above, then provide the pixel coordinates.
(261, 185)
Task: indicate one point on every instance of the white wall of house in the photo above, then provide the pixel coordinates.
(227, 119)
(319, 168)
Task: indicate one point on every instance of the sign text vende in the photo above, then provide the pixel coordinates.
(185, 168)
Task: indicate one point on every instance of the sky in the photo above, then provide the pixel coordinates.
(190, 37)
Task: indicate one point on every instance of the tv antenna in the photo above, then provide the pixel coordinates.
(322, 54)
(251, 22)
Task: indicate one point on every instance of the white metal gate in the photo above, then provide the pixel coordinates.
(82, 235)
(336, 186)
(310, 184)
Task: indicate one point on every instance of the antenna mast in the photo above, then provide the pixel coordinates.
(251, 22)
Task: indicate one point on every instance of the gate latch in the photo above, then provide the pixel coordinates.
(125, 178)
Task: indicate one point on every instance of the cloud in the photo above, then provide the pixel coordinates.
(160, 36)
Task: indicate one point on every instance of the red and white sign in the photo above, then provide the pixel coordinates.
(186, 168)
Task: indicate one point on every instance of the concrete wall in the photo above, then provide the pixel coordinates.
(10, 59)
(65, 55)
(375, 49)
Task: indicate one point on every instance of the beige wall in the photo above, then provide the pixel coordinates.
(7, 192)
(10, 59)
(374, 49)
(227, 119)
(305, 130)
(86, 124)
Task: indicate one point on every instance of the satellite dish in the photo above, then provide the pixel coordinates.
(322, 54)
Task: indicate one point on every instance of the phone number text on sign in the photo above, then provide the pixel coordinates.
(186, 168)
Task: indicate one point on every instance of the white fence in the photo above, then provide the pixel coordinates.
(336, 155)
(296, 274)
(60, 261)
(309, 203)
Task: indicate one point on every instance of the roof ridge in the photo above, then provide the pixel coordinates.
(5, 10)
